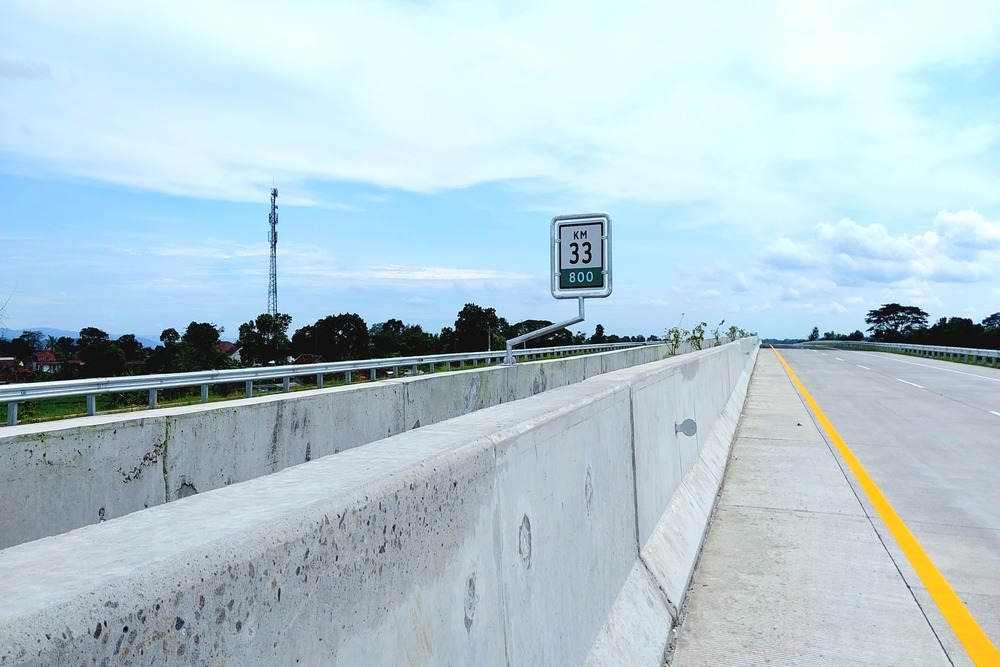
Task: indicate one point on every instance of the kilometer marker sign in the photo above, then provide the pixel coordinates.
(581, 254)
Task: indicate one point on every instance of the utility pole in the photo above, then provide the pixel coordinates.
(272, 287)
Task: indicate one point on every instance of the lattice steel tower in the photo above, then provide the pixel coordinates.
(272, 287)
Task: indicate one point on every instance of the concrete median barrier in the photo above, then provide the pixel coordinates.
(537, 531)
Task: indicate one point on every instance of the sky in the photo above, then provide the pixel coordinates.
(779, 165)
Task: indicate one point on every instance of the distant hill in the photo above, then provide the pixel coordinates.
(10, 334)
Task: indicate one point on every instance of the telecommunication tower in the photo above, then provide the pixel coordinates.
(272, 287)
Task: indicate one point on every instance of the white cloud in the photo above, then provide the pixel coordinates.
(963, 249)
(704, 102)
(785, 253)
(739, 283)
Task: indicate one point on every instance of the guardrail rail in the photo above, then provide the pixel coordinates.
(13, 394)
(966, 354)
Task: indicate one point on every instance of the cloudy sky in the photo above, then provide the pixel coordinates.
(781, 165)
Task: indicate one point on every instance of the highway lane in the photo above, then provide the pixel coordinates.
(928, 433)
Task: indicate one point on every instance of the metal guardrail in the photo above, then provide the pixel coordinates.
(13, 394)
(968, 354)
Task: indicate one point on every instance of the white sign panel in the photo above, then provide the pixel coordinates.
(581, 256)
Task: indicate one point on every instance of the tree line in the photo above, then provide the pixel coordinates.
(266, 340)
(896, 323)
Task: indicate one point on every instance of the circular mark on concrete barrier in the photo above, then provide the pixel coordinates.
(588, 491)
(470, 601)
(524, 541)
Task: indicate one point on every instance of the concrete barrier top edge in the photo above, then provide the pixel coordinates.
(265, 507)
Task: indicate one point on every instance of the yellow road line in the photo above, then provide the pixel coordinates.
(976, 643)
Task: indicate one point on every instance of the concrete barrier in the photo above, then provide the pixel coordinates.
(59, 476)
(530, 532)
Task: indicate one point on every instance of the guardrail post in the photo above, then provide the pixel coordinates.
(319, 381)
(249, 388)
(347, 377)
(374, 375)
(152, 399)
(286, 383)
(12, 414)
(91, 404)
(204, 393)
(413, 370)
(475, 363)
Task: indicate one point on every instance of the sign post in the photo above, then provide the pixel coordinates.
(581, 266)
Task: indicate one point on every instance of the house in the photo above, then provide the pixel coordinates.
(44, 361)
(13, 371)
(304, 359)
(231, 350)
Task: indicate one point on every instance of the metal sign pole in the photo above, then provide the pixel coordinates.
(509, 359)
(580, 250)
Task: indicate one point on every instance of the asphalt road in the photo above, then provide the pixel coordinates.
(928, 433)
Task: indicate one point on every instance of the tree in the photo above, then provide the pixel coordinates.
(598, 336)
(199, 348)
(814, 336)
(101, 358)
(164, 358)
(445, 341)
(265, 340)
(394, 338)
(26, 344)
(894, 323)
(90, 335)
(65, 348)
(956, 331)
(386, 338)
(335, 338)
(478, 329)
(991, 330)
(857, 335)
(133, 349)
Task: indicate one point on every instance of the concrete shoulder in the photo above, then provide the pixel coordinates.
(793, 571)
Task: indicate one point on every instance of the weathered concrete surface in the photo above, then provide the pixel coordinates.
(109, 465)
(505, 536)
(52, 481)
(793, 571)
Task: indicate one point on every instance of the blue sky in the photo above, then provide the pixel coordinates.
(781, 165)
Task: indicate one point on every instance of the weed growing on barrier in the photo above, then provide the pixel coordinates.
(715, 332)
(672, 337)
(697, 336)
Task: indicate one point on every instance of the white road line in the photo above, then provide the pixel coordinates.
(864, 367)
(914, 384)
(838, 358)
(994, 412)
(938, 368)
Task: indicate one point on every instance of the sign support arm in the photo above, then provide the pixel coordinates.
(509, 359)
